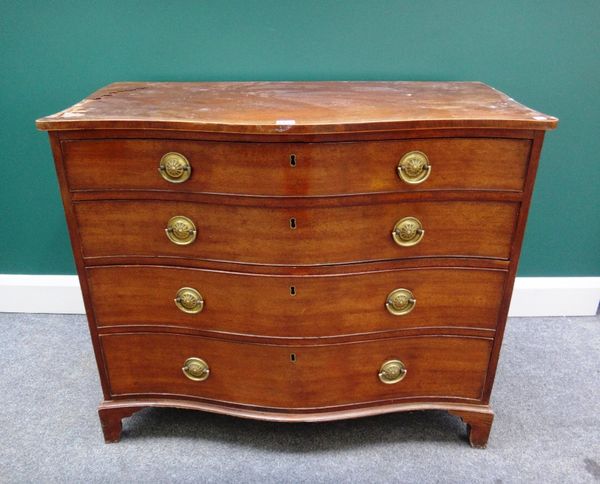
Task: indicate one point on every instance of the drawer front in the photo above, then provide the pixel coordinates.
(316, 169)
(302, 306)
(296, 235)
(296, 377)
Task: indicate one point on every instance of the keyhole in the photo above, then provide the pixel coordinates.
(293, 357)
(293, 223)
(293, 161)
(292, 290)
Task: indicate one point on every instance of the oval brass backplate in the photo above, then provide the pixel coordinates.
(196, 369)
(181, 230)
(400, 302)
(174, 167)
(189, 300)
(414, 168)
(392, 371)
(408, 232)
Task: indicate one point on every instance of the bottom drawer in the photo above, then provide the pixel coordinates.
(296, 377)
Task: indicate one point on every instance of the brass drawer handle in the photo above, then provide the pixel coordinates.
(174, 167)
(408, 231)
(189, 300)
(400, 302)
(392, 371)
(181, 230)
(196, 369)
(414, 168)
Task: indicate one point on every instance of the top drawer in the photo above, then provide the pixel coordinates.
(298, 169)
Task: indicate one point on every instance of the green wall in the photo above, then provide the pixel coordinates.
(543, 53)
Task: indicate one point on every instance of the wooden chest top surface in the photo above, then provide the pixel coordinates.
(296, 107)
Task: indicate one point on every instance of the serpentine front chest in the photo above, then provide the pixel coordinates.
(297, 251)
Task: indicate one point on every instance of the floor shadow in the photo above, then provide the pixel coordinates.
(426, 426)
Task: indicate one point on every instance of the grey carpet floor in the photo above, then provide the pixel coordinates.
(547, 426)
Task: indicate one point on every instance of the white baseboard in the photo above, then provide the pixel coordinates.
(532, 296)
(555, 296)
(40, 294)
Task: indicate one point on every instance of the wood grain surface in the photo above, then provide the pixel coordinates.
(320, 376)
(263, 234)
(317, 168)
(295, 307)
(296, 107)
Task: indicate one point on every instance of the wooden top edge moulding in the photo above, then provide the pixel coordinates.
(296, 107)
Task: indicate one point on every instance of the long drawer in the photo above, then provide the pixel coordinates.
(296, 307)
(437, 367)
(298, 169)
(302, 235)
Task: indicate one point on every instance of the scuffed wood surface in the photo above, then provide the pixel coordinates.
(296, 107)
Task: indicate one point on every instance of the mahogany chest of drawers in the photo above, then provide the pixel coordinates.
(297, 251)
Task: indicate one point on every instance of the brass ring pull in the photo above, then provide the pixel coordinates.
(392, 371)
(196, 369)
(414, 168)
(174, 167)
(181, 230)
(189, 300)
(400, 302)
(408, 231)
